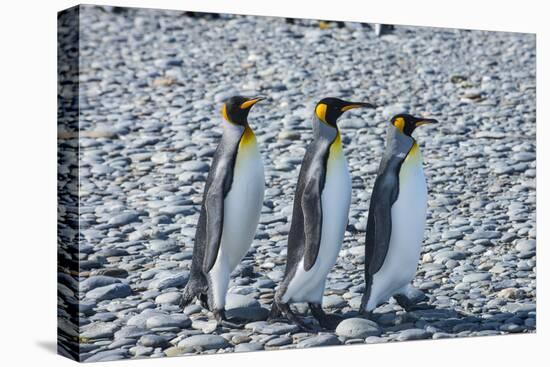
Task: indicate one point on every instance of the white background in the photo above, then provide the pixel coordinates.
(28, 181)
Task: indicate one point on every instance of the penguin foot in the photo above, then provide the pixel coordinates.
(404, 302)
(222, 320)
(369, 315)
(203, 299)
(330, 321)
(327, 321)
(286, 312)
(186, 297)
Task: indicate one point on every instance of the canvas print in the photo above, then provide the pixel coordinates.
(232, 183)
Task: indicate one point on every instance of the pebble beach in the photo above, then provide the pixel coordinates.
(151, 87)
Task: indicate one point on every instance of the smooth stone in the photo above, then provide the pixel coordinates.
(249, 347)
(117, 290)
(434, 314)
(413, 334)
(276, 328)
(476, 277)
(130, 332)
(163, 245)
(442, 335)
(520, 307)
(86, 307)
(444, 256)
(175, 210)
(319, 341)
(108, 355)
(123, 219)
(280, 341)
(152, 340)
(140, 350)
(512, 328)
(194, 166)
(207, 327)
(289, 135)
(510, 293)
(174, 351)
(204, 342)
(119, 343)
(112, 272)
(244, 307)
(140, 320)
(358, 328)
(96, 282)
(192, 309)
(163, 321)
(375, 340)
(169, 281)
(172, 298)
(99, 330)
(526, 245)
(415, 295)
(334, 301)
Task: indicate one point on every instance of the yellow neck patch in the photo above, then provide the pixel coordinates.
(399, 123)
(321, 112)
(336, 146)
(414, 156)
(248, 138)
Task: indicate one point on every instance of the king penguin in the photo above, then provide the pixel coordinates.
(232, 201)
(397, 217)
(319, 219)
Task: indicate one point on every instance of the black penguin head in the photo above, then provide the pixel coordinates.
(235, 109)
(328, 110)
(407, 123)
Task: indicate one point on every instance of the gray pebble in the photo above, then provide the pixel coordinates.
(358, 328)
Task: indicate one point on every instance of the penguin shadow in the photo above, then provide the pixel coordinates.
(442, 320)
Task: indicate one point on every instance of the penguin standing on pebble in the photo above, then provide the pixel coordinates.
(232, 202)
(396, 219)
(319, 219)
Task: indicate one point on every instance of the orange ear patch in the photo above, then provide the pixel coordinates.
(224, 113)
(399, 123)
(321, 112)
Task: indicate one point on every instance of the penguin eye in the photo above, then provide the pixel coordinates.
(399, 123)
(321, 112)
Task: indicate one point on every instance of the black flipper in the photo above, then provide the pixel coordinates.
(214, 224)
(209, 226)
(384, 195)
(305, 231)
(217, 186)
(313, 219)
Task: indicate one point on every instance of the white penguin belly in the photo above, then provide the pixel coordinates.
(408, 222)
(309, 286)
(242, 207)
